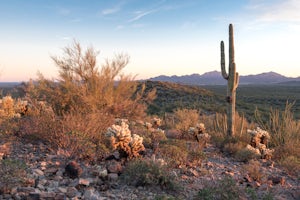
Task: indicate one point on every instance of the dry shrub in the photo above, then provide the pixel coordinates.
(217, 127)
(233, 147)
(225, 188)
(173, 155)
(184, 119)
(254, 170)
(291, 164)
(84, 100)
(80, 135)
(245, 155)
(285, 137)
(282, 126)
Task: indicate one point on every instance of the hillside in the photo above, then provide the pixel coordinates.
(210, 99)
(170, 96)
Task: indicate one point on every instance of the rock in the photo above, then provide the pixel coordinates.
(114, 167)
(91, 194)
(51, 171)
(113, 177)
(38, 172)
(277, 179)
(71, 192)
(73, 170)
(84, 182)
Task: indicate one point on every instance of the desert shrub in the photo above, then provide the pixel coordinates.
(284, 131)
(84, 100)
(282, 125)
(12, 174)
(148, 173)
(245, 155)
(233, 147)
(80, 135)
(291, 164)
(218, 132)
(254, 170)
(84, 88)
(221, 189)
(173, 155)
(184, 119)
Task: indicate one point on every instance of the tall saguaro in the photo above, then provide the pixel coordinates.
(232, 78)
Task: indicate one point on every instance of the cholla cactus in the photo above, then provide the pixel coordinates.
(259, 141)
(156, 122)
(122, 139)
(259, 136)
(200, 134)
(136, 145)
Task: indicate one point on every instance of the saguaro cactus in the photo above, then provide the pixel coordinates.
(232, 82)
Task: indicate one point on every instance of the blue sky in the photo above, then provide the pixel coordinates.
(170, 37)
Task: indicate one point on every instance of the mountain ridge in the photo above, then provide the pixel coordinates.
(215, 78)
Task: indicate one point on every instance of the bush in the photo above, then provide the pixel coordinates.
(184, 119)
(148, 173)
(224, 189)
(173, 155)
(233, 147)
(253, 169)
(245, 155)
(291, 164)
(84, 101)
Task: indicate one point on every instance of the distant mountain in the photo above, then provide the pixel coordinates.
(215, 78)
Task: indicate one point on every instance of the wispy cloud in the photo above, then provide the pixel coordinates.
(110, 11)
(281, 11)
(141, 14)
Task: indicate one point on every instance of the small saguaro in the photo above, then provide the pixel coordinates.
(232, 78)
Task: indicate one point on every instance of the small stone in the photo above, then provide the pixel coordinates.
(114, 167)
(51, 171)
(62, 189)
(84, 182)
(38, 172)
(71, 192)
(113, 177)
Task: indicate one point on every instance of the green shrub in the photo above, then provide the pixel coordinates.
(148, 173)
(245, 155)
(173, 155)
(184, 119)
(291, 164)
(223, 189)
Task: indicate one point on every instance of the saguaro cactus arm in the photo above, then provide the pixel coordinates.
(224, 74)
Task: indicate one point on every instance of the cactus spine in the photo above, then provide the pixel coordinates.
(232, 82)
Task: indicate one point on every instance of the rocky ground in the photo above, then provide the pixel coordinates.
(47, 178)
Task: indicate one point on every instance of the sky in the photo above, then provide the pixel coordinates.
(162, 37)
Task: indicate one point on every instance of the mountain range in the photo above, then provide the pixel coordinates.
(215, 78)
